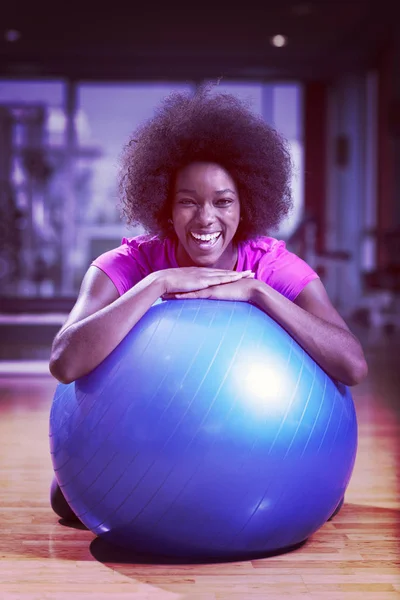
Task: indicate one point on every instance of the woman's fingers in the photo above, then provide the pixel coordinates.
(197, 278)
(233, 276)
(218, 279)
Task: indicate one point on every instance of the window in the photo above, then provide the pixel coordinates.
(58, 193)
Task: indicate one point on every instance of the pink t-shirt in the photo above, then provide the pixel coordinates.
(267, 257)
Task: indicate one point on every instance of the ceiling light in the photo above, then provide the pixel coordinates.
(12, 35)
(279, 41)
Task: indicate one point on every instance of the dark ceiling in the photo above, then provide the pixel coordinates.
(326, 38)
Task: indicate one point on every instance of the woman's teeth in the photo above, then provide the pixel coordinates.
(206, 237)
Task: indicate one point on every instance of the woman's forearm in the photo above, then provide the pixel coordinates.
(335, 349)
(82, 346)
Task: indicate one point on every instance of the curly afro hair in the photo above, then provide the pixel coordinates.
(208, 127)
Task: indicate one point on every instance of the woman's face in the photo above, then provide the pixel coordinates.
(205, 215)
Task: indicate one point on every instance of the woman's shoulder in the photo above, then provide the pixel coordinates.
(143, 242)
(263, 247)
(272, 262)
(135, 258)
(155, 252)
(136, 248)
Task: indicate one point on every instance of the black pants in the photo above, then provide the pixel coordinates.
(59, 504)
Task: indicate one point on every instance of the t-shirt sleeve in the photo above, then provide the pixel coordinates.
(123, 265)
(285, 271)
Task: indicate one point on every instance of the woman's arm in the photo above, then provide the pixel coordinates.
(101, 318)
(311, 320)
(316, 325)
(98, 322)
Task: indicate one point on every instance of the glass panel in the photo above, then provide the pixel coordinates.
(280, 106)
(58, 171)
(30, 156)
(251, 92)
(110, 114)
(287, 111)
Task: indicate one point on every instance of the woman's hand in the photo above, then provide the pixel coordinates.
(241, 290)
(192, 279)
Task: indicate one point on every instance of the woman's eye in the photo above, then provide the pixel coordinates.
(224, 202)
(186, 202)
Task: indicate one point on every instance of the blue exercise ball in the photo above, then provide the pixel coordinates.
(208, 432)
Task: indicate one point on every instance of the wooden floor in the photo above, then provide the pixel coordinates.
(356, 556)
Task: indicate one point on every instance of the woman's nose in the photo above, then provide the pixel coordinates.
(206, 214)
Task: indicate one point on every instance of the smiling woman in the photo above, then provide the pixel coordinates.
(206, 178)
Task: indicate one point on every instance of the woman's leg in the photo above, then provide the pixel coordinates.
(59, 504)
